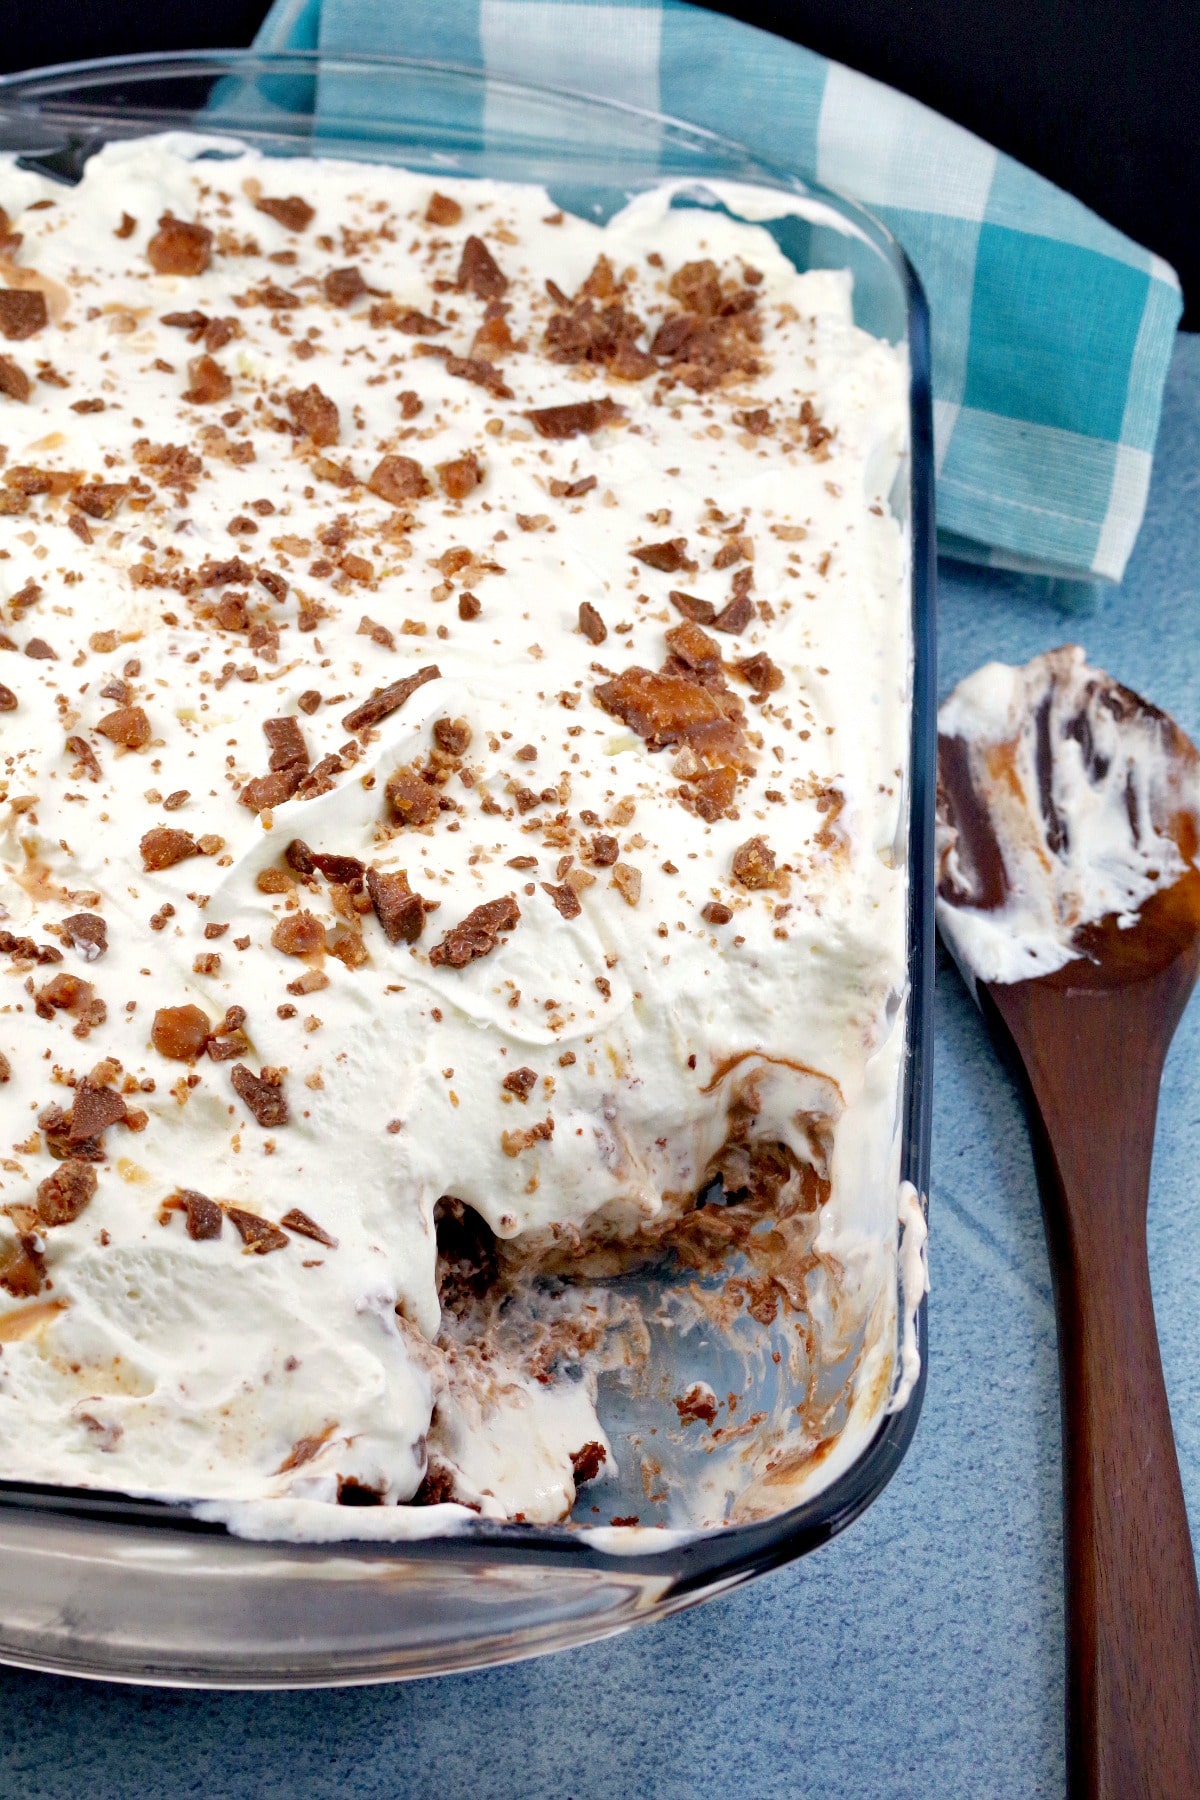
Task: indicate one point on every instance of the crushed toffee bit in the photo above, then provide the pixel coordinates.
(737, 612)
(346, 871)
(753, 864)
(603, 335)
(461, 476)
(578, 417)
(572, 490)
(95, 1108)
(258, 1235)
(299, 1222)
(263, 1094)
(299, 934)
(195, 323)
(14, 382)
(8, 700)
(628, 882)
(520, 1082)
(668, 557)
(298, 856)
(85, 757)
(764, 676)
(26, 948)
(23, 312)
(731, 552)
(476, 369)
(452, 735)
(179, 247)
(287, 745)
(99, 499)
(229, 1040)
(406, 319)
(478, 934)
(293, 213)
(397, 908)
(442, 210)
(710, 794)
(411, 799)
(665, 708)
(165, 846)
(128, 726)
(479, 273)
(315, 413)
(263, 792)
(342, 287)
(62, 1196)
(513, 1143)
(565, 898)
(715, 912)
(23, 1267)
(695, 654)
(270, 294)
(469, 605)
(180, 1033)
(208, 382)
(385, 701)
(494, 336)
(398, 480)
(701, 612)
(591, 624)
(204, 1217)
(321, 778)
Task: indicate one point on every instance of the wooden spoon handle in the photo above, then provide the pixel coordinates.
(1133, 1608)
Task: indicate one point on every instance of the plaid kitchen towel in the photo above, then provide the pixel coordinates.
(1051, 331)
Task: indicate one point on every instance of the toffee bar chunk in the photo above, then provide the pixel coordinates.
(385, 701)
(454, 688)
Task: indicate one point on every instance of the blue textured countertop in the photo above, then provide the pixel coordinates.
(921, 1652)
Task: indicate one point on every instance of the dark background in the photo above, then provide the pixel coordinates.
(1103, 97)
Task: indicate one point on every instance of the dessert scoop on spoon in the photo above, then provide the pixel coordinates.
(1068, 892)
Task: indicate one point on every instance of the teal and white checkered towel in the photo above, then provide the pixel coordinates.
(1051, 331)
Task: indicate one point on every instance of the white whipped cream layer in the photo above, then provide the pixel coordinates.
(152, 1362)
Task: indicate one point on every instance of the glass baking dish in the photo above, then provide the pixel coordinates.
(99, 1584)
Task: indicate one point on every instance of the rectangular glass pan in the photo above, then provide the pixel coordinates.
(96, 1583)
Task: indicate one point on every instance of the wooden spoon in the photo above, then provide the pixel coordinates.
(1088, 1043)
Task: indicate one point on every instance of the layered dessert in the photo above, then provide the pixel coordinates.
(454, 708)
(1067, 806)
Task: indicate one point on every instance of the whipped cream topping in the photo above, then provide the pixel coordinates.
(1064, 799)
(457, 669)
